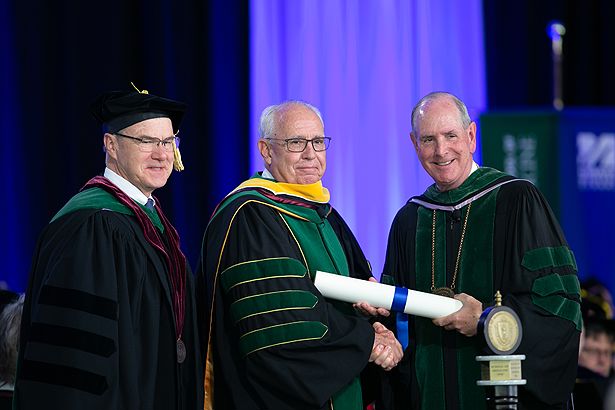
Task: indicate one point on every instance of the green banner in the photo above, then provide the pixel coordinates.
(524, 144)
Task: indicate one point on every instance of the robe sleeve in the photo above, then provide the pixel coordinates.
(70, 354)
(536, 270)
(294, 348)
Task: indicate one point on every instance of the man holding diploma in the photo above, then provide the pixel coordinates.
(471, 233)
(272, 340)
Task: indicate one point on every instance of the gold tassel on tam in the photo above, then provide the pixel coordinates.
(139, 91)
(178, 165)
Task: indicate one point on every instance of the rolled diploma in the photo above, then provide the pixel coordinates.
(389, 297)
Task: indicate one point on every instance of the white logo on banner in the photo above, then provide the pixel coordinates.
(520, 156)
(596, 161)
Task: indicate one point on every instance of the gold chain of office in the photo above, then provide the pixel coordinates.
(446, 290)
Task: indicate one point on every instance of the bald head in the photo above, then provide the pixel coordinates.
(418, 109)
(444, 138)
(273, 115)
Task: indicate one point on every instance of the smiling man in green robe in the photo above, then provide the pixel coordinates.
(473, 232)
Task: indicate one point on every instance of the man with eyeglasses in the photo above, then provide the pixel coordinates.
(594, 374)
(272, 340)
(109, 319)
(596, 353)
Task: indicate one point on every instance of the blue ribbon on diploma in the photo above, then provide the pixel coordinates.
(399, 299)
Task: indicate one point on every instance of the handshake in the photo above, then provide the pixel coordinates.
(386, 351)
(377, 299)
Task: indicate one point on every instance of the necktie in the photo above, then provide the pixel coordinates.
(150, 204)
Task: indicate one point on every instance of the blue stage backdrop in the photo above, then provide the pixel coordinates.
(587, 189)
(365, 64)
(13, 206)
(54, 61)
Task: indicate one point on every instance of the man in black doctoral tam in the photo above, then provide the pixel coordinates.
(108, 321)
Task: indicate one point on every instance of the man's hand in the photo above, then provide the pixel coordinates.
(369, 310)
(387, 351)
(465, 320)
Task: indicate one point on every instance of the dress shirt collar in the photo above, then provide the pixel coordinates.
(126, 187)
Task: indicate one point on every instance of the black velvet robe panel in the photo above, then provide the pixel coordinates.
(98, 330)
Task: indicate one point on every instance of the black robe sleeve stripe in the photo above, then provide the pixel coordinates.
(55, 374)
(72, 338)
(79, 300)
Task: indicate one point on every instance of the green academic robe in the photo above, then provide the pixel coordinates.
(513, 244)
(274, 342)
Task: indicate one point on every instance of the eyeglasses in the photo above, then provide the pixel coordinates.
(299, 144)
(591, 351)
(147, 144)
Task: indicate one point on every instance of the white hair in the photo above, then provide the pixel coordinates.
(269, 118)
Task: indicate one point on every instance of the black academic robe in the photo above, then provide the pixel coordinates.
(297, 372)
(513, 244)
(98, 330)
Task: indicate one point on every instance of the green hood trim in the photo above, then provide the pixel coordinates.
(477, 181)
(312, 233)
(98, 198)
(474, 277)
(294, 210)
